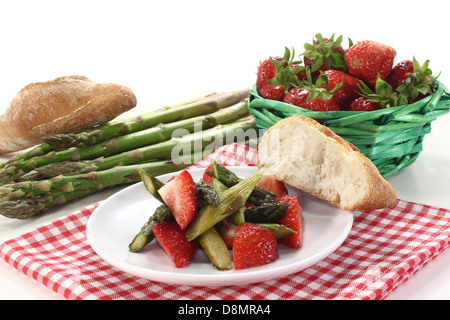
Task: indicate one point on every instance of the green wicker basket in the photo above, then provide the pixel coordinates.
(392, 138)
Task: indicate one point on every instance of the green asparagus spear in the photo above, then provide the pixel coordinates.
(118, 145)
(231, 200)
(237, 217)
(26, 199)
(195, 142)
(39, 150)
(161, 214)
(145, 235)
(215, 248)
(267, 212)
(207, 194)
(151, 183)
(279, 230)
(200, 106)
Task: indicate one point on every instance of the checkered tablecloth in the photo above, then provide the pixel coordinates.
(383, 250)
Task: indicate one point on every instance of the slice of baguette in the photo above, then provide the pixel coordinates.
(309, 156)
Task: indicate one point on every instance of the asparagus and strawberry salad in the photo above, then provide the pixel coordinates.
(237, 222)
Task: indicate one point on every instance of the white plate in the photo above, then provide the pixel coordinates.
(115, 222)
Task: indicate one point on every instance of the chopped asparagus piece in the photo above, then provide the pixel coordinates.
(151, 183)
(215, 248)
(279, 230)
(207, 194)
(268, 212)
(145, 236)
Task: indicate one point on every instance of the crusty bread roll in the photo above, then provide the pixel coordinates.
(63, 105)
(309, 156)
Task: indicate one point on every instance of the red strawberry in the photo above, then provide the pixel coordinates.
(272, 184)
(253, 246)
(362, 104)
(228, 232)
(267, 70)
(349, 90)
(206, 177)
(173, 240)
(398, 74)
(412, 80)
(324, 54)
(293, 219)
(299, 98)
(275, 76)
(180, 195)
(366, 59)
(272, 92)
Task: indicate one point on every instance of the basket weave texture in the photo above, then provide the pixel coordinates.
(392, 137)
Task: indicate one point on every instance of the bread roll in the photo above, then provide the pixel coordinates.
(63, 105)
(309, 156)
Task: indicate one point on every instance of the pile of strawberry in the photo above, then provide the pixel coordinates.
(251, 244)
(330, 78)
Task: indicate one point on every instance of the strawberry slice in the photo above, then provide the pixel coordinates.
(253, 246)
(293, 219)
(228, 232)
(173, 240)
(180, 195)
(206, 177)
(272, 184)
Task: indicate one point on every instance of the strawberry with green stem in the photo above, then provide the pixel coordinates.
(349, 88)
(324, 54)
(316, 96)
(275, 76)
(411, 79)
(408, 82)
(383, 97)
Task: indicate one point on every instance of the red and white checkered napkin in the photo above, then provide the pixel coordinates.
(384, 249)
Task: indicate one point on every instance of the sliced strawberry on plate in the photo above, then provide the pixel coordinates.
(228, 232)
(293, 219)
(173, 240)
(180, 195)
(206, 177)
(253, 246)
(270, 183)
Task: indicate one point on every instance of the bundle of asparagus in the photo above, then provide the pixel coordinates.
(70, 166)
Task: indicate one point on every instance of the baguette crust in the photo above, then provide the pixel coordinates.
(377, 192)
(62, 105)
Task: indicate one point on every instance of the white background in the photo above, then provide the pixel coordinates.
(172, 51)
